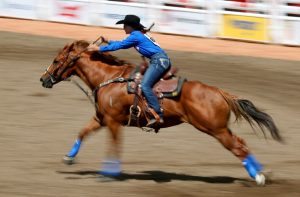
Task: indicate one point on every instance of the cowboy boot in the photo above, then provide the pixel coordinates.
(155, 120)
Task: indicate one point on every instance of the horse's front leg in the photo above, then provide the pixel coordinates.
(92, 126)
(111, 166)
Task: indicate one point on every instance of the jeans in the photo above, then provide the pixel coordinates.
(159, 64)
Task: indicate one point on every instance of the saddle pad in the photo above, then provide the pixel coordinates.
(168, 88)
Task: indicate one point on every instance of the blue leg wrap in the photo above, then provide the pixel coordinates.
(256, 164)
(73, 152)
(252, 166)
(111, 168)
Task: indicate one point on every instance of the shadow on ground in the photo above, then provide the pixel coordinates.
(157, 176)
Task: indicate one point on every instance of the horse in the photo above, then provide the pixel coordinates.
(205, 107)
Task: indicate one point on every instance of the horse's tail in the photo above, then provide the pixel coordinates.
(243, 108)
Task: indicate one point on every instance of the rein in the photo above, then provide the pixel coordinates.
(86, 92)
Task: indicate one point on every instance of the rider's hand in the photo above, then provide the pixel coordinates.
(92, 47)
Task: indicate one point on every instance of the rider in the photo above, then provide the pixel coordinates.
(159, 60)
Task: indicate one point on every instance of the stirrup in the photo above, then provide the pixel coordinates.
(134, 114)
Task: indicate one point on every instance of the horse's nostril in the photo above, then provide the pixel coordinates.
(41, 80)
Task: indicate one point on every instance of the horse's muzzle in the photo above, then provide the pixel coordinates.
(46, 82)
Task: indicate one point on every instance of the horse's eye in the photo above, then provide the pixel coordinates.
(55, 62)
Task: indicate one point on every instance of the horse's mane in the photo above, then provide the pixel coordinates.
(106, 58)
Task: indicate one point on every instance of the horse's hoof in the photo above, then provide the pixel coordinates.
(110, 173)
(268, 175)
(109, 176)
(68, 160)
(102, 178)
(260, 179)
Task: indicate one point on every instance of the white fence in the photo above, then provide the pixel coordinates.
(275, 21)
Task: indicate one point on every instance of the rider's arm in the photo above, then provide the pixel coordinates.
(111, 41)
(130, 41)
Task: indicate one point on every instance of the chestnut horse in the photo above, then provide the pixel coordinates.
(205, 107)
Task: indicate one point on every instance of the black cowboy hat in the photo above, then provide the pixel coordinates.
(133, 21)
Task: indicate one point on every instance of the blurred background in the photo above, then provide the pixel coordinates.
(238, 46)
(269, 21)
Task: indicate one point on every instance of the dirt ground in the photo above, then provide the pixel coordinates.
(38, 127)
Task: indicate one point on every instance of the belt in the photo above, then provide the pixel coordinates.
(158, 54)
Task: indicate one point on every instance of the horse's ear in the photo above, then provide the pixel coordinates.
(79, 45)
(66, 46)
(71, 47)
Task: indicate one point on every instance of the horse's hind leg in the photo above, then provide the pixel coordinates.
(92, 126)
(239, 148)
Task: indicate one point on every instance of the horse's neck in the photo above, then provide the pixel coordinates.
(95, 72)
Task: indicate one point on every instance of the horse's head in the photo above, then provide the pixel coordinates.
(63, 65)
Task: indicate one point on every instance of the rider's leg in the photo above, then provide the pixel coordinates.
(153, 74)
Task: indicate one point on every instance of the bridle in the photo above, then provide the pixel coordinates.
(56, 79)
(93, 95)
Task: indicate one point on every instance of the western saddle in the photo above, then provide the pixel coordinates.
(168, 87)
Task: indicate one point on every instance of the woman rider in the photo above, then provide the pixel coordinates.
(159, 60)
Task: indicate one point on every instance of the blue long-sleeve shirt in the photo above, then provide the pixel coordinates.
(141, 42)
